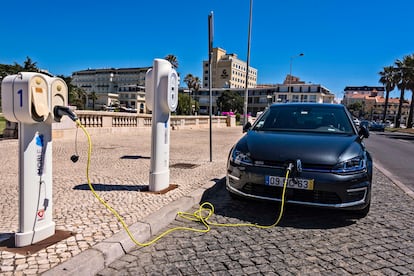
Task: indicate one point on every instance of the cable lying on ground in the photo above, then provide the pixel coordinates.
(201, 215)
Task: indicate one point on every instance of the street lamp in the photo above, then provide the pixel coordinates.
(290, 72)
(246, 92)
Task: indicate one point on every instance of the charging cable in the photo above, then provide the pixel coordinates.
(202, 214)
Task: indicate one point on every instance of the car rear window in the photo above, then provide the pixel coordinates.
(305, 118)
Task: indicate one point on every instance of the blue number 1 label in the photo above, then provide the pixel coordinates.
(20, 92)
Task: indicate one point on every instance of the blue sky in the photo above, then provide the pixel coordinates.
(344, 42)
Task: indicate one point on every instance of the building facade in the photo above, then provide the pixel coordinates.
(132, 96)
(260, 98)
(373, 91)
(368, 102)
(228, 71)
(102, 82)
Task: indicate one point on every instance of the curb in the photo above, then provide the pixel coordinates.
(93, 260)
(397, 183)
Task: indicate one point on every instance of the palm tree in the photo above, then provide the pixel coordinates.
(388, 80)
(173, 60)
(30, 66)
(401, 81)
(77, 97)
(93, 97)
(409, 66)
(193, 84)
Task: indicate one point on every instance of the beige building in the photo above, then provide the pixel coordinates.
(352, 93)
(228, 71)
(372, 102)
(372, 107)
(132, 96)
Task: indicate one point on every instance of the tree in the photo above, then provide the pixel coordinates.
(401, 81)
(389, 81)
(30, 66)
(357, 109)
(173, 60)
(193, 84)
(183, 106)
(93, 97)
(409, 67)
(77, 97)
(230, 101)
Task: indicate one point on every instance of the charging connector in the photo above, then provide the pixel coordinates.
(59, 111)
(294, 168)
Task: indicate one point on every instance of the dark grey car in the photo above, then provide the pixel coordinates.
(332, 166)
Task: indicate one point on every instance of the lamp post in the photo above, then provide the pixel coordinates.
(290, 72)
(246, 92)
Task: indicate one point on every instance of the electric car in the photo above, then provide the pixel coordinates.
(330, 166)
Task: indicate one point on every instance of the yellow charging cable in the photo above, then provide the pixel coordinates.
(202, 214)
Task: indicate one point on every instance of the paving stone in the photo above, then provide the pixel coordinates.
(308, 241)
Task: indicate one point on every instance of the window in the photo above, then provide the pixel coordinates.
(295, 98)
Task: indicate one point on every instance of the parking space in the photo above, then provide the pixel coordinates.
(308, 241)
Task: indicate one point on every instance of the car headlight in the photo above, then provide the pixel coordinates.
(354, 165)
(241, 158)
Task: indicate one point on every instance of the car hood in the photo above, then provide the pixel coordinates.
(320, 149)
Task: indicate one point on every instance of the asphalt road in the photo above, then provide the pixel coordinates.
(394, 152)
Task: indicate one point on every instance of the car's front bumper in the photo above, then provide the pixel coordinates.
(330, 190)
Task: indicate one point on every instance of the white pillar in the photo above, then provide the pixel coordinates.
(35, 184)
(162, 82)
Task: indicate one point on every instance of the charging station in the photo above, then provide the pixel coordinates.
(161, 86)
(29, 98)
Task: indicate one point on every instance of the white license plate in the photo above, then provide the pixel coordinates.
(294, 183)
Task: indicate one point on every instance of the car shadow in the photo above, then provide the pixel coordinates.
(266, 213)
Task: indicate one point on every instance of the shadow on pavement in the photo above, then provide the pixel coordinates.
(135, 157)
(401, 136)
(266, 213)
(112, 187)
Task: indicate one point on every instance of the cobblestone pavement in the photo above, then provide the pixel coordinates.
(119, 170)
(308, 241)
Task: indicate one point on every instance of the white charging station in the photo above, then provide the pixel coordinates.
(161, 86)
(28, 98)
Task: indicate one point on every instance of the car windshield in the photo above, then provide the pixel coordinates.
(326, 119)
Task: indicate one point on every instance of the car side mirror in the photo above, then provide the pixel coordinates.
(246, 127)
(363, 132)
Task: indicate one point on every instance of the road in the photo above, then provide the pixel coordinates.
(395, 153)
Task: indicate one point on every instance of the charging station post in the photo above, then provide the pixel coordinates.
(28, 98)
(161, 86)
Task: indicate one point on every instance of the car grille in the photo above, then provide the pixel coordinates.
(296, 194)
(305, 167)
